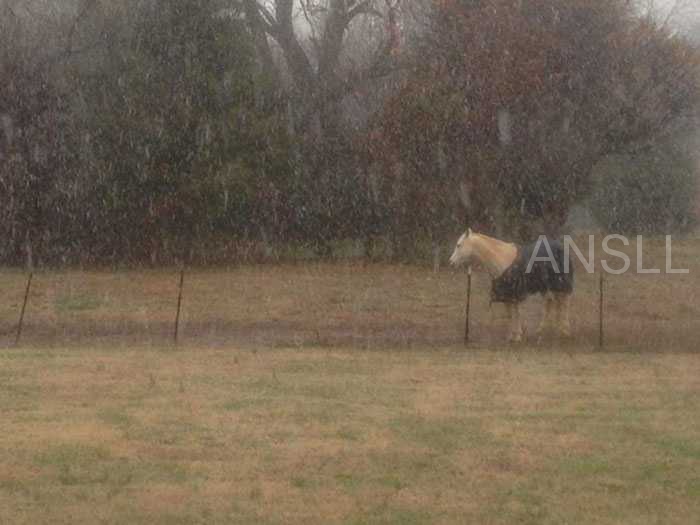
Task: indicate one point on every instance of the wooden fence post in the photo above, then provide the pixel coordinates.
(18, 335)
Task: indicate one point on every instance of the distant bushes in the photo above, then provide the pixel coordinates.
(171, 131)
(645, 193)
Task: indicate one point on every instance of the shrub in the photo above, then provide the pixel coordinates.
(651, 192)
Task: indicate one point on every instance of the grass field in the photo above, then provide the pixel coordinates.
(348, 436)
(342, 394)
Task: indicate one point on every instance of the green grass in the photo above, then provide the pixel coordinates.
(77, 302)
(349, 436)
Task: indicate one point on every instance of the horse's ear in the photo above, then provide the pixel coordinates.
(469, 232)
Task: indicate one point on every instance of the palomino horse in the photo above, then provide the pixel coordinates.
(520, 271)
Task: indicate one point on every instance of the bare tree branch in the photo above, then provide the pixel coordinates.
(365, 8)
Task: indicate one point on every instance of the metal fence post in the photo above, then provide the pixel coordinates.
(18, 335)
(601, 339)
(179, 303)
(468, 307)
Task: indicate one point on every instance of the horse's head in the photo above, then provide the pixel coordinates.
(464, 249)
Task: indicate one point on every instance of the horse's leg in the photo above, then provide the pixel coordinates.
(546, 313)
(516, 330)
(562, 305)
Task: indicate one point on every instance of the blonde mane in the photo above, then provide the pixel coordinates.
(495, 255)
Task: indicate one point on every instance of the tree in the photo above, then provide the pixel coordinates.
(323, 77)
(180, 134)
(36, 147)
(531, 95)
(650, 192)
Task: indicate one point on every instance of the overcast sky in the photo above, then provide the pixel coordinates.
(681, 13)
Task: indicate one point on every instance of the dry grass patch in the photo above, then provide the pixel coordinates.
(341, 394)
(342, 305)
(348, 436)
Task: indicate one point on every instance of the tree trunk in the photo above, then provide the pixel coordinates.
(437, 250)
(29, 253)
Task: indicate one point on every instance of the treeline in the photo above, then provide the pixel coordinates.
(202, 131)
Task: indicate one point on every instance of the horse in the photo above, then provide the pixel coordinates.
(520, 271)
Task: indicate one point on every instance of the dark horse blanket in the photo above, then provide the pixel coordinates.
(516, 283)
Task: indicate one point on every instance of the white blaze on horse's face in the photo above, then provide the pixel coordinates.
(463, 251)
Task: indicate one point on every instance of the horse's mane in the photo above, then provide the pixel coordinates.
(496, 254)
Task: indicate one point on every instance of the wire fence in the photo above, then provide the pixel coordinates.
(332, 304)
